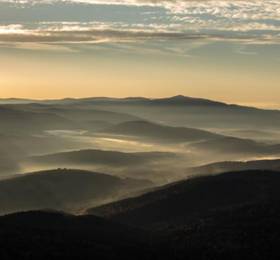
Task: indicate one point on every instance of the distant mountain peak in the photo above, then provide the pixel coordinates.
(185, 100)
(180, 97)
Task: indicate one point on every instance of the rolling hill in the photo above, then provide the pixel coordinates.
(176, 100)
(188, 111)
(239, 146)
(101, 157)
(180, 203)
(258, 135)
(158, 132)
(16, 147)
(83, 116)
(227, 166)
(21, 121)
(179, 111)
(62, 189)
(198, 141)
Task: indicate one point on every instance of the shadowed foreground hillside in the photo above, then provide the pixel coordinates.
(241, 230)
(50, 235)
(178, 204)
(249, 231)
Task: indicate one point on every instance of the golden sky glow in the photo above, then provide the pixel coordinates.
(90, 50)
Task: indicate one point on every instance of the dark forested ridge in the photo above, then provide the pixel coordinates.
(249, 232)
(53, 235)
(236, 217)
(244, 232)
(179, 203)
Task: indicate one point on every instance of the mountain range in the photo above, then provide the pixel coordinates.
(178, 110)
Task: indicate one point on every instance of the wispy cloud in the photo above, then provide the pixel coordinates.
(243, 21)
(102, 31)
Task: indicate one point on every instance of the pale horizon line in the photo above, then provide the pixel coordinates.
(260, 105)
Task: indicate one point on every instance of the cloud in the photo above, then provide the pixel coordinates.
(244, 21)
(73, 33)
(35, 46)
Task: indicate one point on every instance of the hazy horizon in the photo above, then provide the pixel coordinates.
(221, 50)
(261, 105)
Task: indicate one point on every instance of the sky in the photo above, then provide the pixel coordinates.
(226, 50)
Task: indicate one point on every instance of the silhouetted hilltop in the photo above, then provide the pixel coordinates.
(180, 203)
(181, 100)
(62, 189)
(178, 100)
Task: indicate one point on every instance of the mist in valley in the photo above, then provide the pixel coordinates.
(100, 136)
(148, 170)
